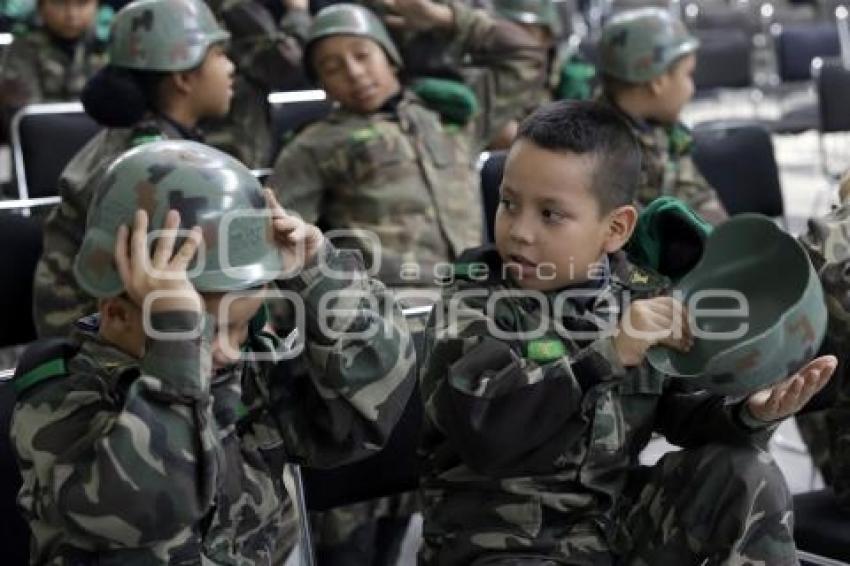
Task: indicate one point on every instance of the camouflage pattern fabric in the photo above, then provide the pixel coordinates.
(515, 478)
(827, 433)
(35, 68)
(267, 56)
(150, 461)
(404, 175)
(58, 300)
(668, 169)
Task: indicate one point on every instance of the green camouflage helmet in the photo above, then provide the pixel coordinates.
(638, 45)
(534, 12)
(778, 332)
(163, 35)
(209, 188)
(348, 19)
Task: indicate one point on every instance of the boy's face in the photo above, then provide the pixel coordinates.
(355, 72)
(673, 90)
(549, 229)
(68, 19)
(212, 84)
(122, 323)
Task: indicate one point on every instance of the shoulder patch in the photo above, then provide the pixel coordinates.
(545, 350)
(48, 370)
(144, 138)
(363, 134)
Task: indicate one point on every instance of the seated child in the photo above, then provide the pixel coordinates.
(165, 438)
(538, 397)
(646, 63)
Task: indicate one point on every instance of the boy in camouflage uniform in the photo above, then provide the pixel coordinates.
(383, 163)
(151, 40)
(51, 63)
(164, 438)
(646, 59)
(537, 411)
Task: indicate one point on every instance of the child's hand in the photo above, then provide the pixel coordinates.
(662, 320)
(290, 233)
(789, 395)
(418, 14)
(165, 271)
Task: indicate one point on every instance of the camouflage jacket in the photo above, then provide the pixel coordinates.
(35, 68)
(57, 299)
(531, 441)
(667, 168)
(827, 242)
(402, 174)
(127, 461)
(268, 58)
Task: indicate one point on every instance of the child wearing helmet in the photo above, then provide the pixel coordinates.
(176, 409)
(539, 397)
(52, 62)
(386, 167)
(646, 62)
(167, 70)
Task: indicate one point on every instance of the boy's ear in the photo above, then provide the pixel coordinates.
(621, 224)
(182, 81)
(656, 84)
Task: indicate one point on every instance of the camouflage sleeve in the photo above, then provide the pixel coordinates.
(515, 61)
(297, 181)
(691, 419)
(269, 55)
(341, 398)
(691, 187)
(128, 470)
(501, 410)
(19, 84)
(58, 301)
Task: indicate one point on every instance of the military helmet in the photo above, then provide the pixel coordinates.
(639, 45)
(348, 19)
(163, 35)
(209, 188)
(778, 332)
(535, 12)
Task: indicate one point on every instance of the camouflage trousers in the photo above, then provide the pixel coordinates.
(713, 505)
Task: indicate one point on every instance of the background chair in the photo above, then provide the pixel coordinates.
(491, 180)
(44, 139)
(291, 111)
(724, 59)
(21, 249)
(797, 44)
(737, 158)
(821, 529)
(832, 83)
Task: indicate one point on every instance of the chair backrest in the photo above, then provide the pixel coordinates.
(19, 253)
(291, 111)
(395, 469)
(491, 180)
(799, 43)
(737, 158)
(821, 527)
(44, 139)
(14, 531)
(724, 59)
(833, 85)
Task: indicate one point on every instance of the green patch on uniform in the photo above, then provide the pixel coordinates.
(146, 138)
(363, 135)
(681, 140)
(47, 370)
(545, 350)
(455, 102)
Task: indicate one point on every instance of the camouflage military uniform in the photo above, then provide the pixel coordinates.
(532, 444)
(401, 173)
(58, 300)
(129, 461)
(827, 433)
(39, 68)
(267, 56)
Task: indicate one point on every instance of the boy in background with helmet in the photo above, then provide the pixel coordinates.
(384, 162)
(162, 436)
(167, 70)
(646, 62)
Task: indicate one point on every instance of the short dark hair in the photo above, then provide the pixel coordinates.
(593, 129)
